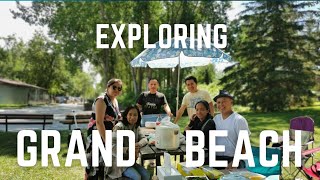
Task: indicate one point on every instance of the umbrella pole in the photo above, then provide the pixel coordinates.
(177, 106)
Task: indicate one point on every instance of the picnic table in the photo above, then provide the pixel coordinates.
(25, 118)
(151, 152)
(81, 119)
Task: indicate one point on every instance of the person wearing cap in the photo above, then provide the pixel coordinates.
(150, 102)
(230, 121)
(192, 97)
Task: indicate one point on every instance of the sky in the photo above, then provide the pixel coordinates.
(23, 30)
(19, 27)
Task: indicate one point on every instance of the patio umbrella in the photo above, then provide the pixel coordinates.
(182, 57)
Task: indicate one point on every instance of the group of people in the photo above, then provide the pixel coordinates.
(200, 109)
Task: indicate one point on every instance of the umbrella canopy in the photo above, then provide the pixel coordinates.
(182, 57)
(187, 57)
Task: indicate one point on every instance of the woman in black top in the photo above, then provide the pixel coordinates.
(105, 114)
(202, 120)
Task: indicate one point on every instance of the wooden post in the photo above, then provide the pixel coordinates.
(44, 122)
(6, 123)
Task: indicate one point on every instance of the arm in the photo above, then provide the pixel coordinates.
(211, 109)
(142, 138)
(191, 123)
(139, 102)
(167, 109)
(114, 142)
(243, 125)
(100, 113)
(140, 107)
(208, 98)
(179, 113)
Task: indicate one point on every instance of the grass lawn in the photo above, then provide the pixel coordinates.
(11, 170)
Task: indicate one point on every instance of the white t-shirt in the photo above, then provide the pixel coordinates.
(191, 99)
(233, 124)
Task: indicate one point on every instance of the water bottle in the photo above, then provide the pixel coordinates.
(158, 121)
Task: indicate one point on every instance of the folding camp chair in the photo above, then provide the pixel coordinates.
(306, 125)
(314, 170)
(266, 171)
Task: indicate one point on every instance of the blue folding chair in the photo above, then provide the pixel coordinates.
(266, 171)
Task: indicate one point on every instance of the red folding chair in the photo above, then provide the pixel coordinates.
(314, 170)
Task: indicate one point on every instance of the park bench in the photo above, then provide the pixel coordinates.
(81, 119)
(26, 119)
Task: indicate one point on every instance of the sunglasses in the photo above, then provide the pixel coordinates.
(116, 87)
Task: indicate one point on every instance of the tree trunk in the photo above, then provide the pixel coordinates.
(105, 51)
(168, 77)
(105, 65)
(149, 73)
(140, 79)
(128, 58)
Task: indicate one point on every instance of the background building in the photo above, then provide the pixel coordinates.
(16, 92)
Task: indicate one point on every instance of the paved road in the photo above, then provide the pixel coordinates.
(59, 111)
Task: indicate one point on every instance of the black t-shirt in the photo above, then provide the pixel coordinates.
(204, 126)
(151, 103)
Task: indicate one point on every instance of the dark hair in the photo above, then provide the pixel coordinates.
(113, 81)
(206, 105)
(191, 78)
(153, 79)
(125, 113)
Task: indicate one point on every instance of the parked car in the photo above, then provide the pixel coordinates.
(61, 99)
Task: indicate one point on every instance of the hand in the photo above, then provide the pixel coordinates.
(152, 142)
(229, 167)
(170, 114)
(108, 118)
(137, 150)
(193, 117)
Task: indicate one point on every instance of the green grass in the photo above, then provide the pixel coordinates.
(257, 122)
(11, 106)
(11, 170)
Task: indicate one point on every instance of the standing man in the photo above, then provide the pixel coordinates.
(192, 97)
(230, 121)
(150, 102)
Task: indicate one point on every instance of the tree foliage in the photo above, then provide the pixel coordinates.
(40, 62)
(275, 70)
(73, 25)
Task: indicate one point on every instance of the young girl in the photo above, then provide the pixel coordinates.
(131, 121)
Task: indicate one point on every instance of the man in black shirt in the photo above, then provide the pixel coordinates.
(150, 102)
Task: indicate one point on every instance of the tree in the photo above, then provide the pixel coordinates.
(275, 68)
(205, 74)
(73, 26)
(81, 84)
(12, 60)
